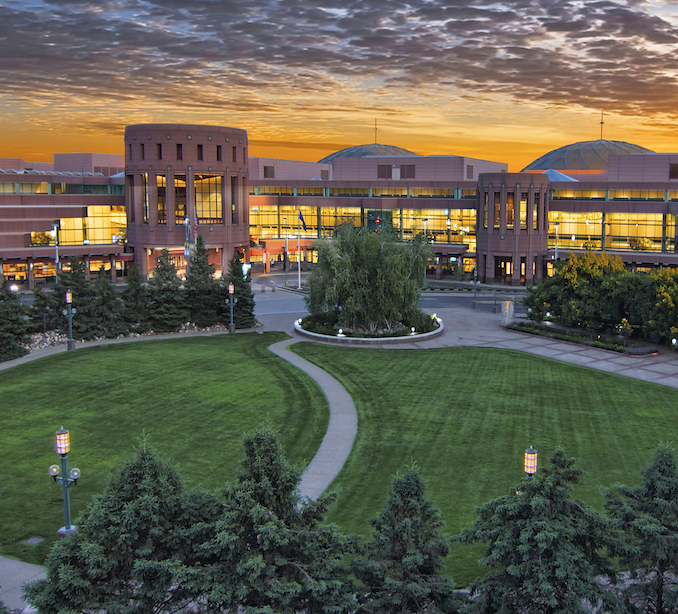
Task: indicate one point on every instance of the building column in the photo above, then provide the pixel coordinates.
(29, 274)
(113, 270)
(439, 267)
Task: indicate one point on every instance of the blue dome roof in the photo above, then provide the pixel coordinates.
(361, 151)
(585, 155)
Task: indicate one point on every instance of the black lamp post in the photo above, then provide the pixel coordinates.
(63, 445)
(530, 462)
(69, 312)
(232, 300)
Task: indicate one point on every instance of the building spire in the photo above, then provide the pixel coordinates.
(601, 125)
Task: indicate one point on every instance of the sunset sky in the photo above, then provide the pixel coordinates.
(504, 81)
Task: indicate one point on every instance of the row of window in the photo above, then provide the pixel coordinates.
(530, 212)
(43, 187)
(363, 192)
(659, 195)
(200, 153)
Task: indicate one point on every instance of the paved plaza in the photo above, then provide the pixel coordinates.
(464, 326)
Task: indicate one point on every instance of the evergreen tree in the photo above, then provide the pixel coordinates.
(108, 306)
(14, 324)
(543, 548)
(272, 553)
(166, 308)
(86, 322)
(400, 567)
(648, 517)
(137, 548)
(45, 311)
(243, 310)
(135, 297)
(202, 290)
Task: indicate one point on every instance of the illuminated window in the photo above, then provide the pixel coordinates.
(510, 211)
(162, 198)
(208, 199)
(179, 199)
(523, 209)
(497, 209)
(144, 196)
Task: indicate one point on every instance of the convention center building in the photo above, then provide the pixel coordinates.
(178, 181)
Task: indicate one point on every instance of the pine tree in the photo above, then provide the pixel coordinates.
(648, 517)
(273, 553)
(135, 297)
(13, 324)
(46, 311)
(202, 290)
(86, 322)
(108, 306)
(400, 567)
(543, 548)
(243, 310)
(166, 302)
(137, 548)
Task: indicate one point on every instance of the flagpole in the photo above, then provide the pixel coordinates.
(299, 248)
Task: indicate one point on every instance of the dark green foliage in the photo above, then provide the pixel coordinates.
(108, 306)
(137, 548)
(400, 567)
(135, 297)
(371, 279)
(243, 310)
(202, 290)
(166, 307)
(273, 553)
(648, 517)
(45, 311)
(14, 324)
(543, 548)
(86, 321)
(596, 292)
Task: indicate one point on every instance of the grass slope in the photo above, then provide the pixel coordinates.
(193, 397)
(466, 416)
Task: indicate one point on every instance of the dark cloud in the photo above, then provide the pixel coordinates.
(227, 55)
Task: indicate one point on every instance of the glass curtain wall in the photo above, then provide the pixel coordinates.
(162, 198)
(208, 201)
(179, 198)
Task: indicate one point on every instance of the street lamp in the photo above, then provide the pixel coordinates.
(55, 234)
(530, 462)
(63, 445)
(232, 300)
(68, 312)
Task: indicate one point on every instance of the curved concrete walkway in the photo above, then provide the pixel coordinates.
(341, 430)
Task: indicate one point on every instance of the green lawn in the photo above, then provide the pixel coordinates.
(466, 416)
(193, 397)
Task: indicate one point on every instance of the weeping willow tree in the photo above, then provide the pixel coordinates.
(370, 280)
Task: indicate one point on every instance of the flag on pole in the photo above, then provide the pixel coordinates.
(301, 219)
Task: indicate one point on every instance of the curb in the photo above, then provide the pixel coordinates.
(415, 338)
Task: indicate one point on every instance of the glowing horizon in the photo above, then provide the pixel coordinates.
(502, 81)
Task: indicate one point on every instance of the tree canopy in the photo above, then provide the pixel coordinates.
(543, 548)
(369, 278)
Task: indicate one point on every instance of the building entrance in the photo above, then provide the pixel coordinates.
(503, 269)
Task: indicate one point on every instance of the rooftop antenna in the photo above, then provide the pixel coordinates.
(375, 131)
(601, 125)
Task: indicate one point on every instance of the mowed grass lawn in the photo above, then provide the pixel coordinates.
(466, 415)
(193, 398)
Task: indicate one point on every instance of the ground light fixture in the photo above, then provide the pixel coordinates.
(67, 478)
(530, 462)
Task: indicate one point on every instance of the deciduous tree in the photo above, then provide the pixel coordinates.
(369, 278)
